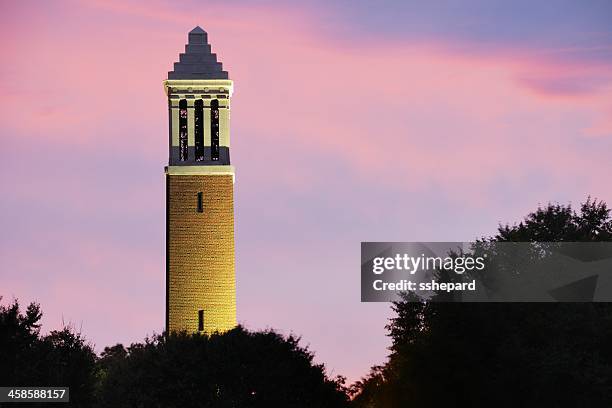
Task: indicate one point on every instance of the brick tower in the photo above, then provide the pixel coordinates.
(200, 276)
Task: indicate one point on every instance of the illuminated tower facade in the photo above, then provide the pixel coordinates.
(200, 267)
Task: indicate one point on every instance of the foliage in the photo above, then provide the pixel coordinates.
(60, 358)
(234, 369)
(238, 368)
(502, 354)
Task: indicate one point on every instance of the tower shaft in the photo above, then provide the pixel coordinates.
(201, 278)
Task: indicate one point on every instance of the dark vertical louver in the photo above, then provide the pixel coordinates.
(183, 150)
(214, 129)
(198, 112)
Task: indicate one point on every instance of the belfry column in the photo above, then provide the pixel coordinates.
(190, 128)
(174, 120)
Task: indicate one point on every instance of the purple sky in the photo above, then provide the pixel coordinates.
(349, 123)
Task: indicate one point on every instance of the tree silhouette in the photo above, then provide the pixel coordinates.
(502, 354)
(238, 368)
(61, 358)
(234, 369)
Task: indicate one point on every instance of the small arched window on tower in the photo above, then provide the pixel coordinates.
(214, 129)
(183, 150)
(199, 129)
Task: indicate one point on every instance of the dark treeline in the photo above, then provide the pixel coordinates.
(29, 359)
(442, 354)
(238, 368)
(502, 354)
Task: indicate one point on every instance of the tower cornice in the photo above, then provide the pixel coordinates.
(204, 86)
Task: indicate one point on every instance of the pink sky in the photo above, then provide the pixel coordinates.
(336, 139)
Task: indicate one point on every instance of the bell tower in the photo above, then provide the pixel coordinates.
(200, 266)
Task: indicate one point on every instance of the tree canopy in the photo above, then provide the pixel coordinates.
(502, 354)
(60, 358)
(238, 368)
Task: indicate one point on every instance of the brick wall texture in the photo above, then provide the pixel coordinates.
(201, 267)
